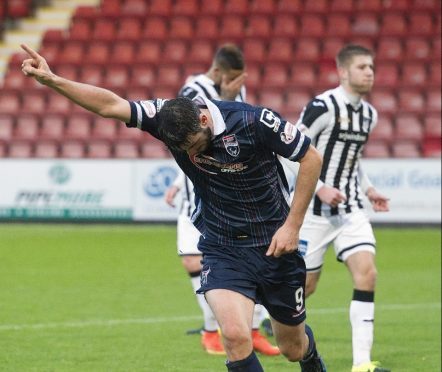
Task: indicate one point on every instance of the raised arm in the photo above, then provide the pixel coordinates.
(98, 100)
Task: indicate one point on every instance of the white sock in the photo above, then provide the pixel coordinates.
(259, 314)
(210, 323)
(362, 324)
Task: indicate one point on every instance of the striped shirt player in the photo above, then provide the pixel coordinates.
(339, 122)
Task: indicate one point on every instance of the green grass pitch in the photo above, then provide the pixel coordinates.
(115, 298)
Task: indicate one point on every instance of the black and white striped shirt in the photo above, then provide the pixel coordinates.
(339, 125)
(202, 85)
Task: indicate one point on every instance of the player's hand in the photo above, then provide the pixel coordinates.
(230, 89)
(377, 200)
(331, 195)
(170, 194)
(36, 66)
(284, 241)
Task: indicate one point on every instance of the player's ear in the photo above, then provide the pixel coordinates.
(204, 120)
(343, 73)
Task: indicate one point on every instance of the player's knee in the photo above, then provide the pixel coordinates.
(310, 286)
(235, 336)
(293, 352)
(366, 279)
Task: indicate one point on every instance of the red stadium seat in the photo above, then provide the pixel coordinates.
(15, 79)
(191, 69)
(312, 26)
(436, 47)
(390, 49)
(165, 91)
(155, 28)
(240, 7)
(72, 53)
(411, 101)
(123, 53)
(58, 104)
(341, 6)
(274, 75)
(253, 76)
(92, 74)
(213, 7)
(98, 53)
(272, 99)
(232, 27)
(67, 71)
(169, 76)
(376, 149)
(254, 50)
(175, 52)
(6, 127)
(387, 75)
(432, 148)
(129, 29)
(432, 126)
(417, 48)
(160, 7)
(134, 93)
(126, 150)
(434, 100)
(181, 28)
(104, 29)
(53, 36)
(18, 8)
(433, 5)
(9, 102)
(317, 6)
(26, 127)
(201, 51)
(116, 76)
(307, 49)
(52, 127)
(258, 26)
(80, 30)
(421, 24)
(330, 47)
(20, 149)
(408, 127)
(303, 75)
(142, 76)
(149, 52)
(110, 9)
(434, 78)
(296, 101)
(289, 6)
(3, 147)
(328, 77)
(134, 8)
(396, 5)
(338, 25)
(405, 149)
(414, 75)
(365, 24)
(186, 8)
(78, 127)
(383, 131)
(362, 6)
(33, 103)
(99, 149)
(207, 28)
(72, 149)
(89, 12)
(104, 129)
(393, 24)
(285, 26)
(46, 149)
(365, 41)
(267, 7)
(280, 50)
(154, 150)
(384, 101)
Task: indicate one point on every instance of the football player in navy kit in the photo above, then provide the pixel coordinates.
(250, 232)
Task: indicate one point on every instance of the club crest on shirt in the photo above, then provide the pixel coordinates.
(231, 144)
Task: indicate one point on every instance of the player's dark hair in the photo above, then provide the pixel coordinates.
(178, 119)
(229, 57)
(347, 53)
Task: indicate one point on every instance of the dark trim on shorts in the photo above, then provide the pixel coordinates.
(351, 247)
(189, 254)
(314, 268)
(195, 274)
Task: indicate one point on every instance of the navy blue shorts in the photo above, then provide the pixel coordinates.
(276, 283)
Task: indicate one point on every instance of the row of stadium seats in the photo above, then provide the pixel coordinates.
(236, 26)
(168, 8)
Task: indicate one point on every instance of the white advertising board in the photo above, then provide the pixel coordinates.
(65, 189)
(413, 186)
(152, 179)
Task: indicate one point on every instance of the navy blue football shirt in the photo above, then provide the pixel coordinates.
(242, 196)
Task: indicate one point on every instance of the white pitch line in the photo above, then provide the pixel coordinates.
(116, 322)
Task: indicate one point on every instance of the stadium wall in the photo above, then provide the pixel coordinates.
(126, 190)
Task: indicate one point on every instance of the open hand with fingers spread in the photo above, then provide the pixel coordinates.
(36, 66)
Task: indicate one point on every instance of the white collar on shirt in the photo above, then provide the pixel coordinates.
(353, 99)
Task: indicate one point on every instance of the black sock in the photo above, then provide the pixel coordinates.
(311, 343)
(250, 364)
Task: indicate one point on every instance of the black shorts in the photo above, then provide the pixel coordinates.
(276, 283)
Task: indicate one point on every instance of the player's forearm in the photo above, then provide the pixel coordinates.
(308, 174)
(98, 100)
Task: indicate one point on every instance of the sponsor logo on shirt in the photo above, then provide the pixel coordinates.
(231, 144)
(213, 166)
(269, 119)
(288, 135)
